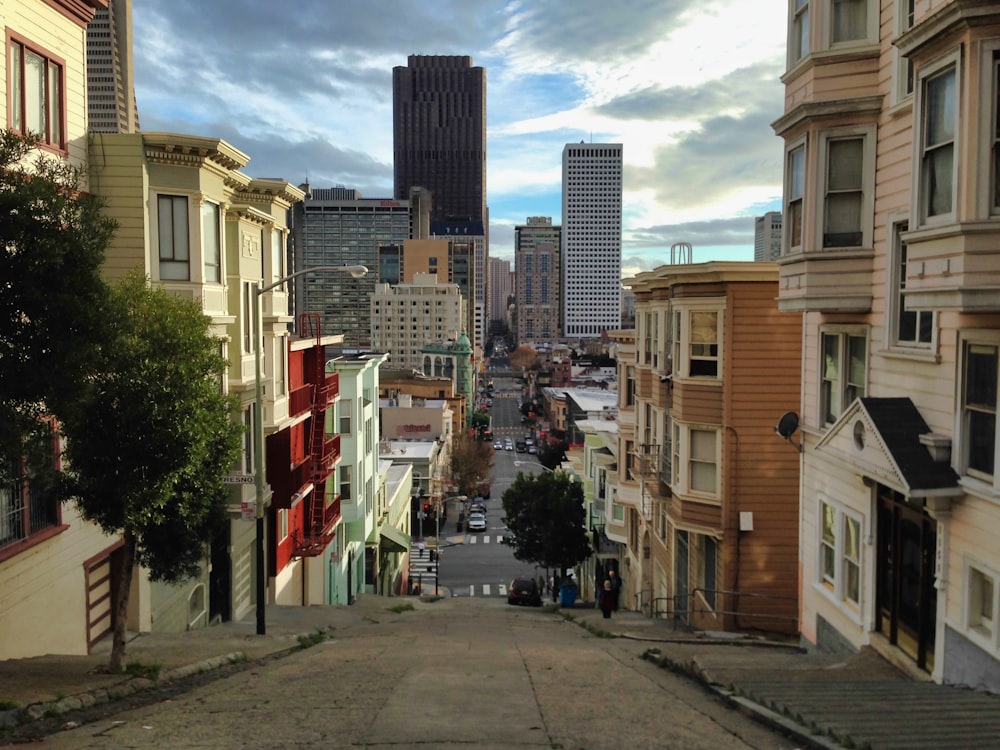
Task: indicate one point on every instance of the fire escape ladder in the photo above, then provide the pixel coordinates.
(647, 465)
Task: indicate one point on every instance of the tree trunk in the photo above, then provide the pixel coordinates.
(119, 606)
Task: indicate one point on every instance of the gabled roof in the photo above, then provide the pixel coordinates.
(881, 436)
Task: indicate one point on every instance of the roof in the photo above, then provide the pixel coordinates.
(899, 423)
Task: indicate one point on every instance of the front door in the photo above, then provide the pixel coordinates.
(681, 581)
(906, 597)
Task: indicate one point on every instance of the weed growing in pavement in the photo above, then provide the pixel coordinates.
(149, 671)
(8, 705)
(402, 608)
(306, 641)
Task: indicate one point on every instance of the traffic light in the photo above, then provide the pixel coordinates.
(427, 507)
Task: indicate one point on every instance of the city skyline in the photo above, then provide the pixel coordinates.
(690, 90)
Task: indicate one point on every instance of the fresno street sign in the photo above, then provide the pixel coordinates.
(238, 479)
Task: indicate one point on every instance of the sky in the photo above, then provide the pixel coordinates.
(689, 87)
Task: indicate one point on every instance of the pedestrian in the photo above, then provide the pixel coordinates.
(606, 600)
(541, 586)
(616, 587)
(553, 588)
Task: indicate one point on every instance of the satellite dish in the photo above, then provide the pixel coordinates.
(787, 425)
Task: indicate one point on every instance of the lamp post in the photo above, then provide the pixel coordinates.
(258, 418)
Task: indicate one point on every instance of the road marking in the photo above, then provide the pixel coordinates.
(486, 589)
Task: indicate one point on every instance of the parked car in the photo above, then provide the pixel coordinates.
(508, 444)
(497, 445)
(477, 522)
(532, 448)
(524, 591)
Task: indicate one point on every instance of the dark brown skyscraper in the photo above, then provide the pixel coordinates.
(439, 134)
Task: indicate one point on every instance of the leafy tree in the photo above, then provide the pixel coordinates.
(152, 439)
(52, 296)
(523, 358)
(545, 516)
(471, 463)
(551, 453)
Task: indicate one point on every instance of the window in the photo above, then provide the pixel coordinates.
(249, 435)
(844, 192)
(795, 192)
(346, 481)
(703, 342)
(249, 315)
(618, 513)
(210, 242)
(904, 66)
(798, 43)
(172, 216)
(705, 554)
(911, 328)
(282, 524)
(981, 612)
(979, 408)
(844, 372)
(27, 505)
(37, 103)
(849, 22)
(939, 114)
(840, 554)
(702, 461)
(277, 255)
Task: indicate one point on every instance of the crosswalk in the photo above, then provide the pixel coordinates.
(483, 539)
(481, 589)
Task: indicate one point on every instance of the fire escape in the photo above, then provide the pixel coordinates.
(322, 517)
(652, 473)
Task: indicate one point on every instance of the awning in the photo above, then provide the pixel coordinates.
(396, 538)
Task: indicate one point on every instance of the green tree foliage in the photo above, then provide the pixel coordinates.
(52, 317)
(153, 438)
(551, 453)
(545, 516)
(471, 463)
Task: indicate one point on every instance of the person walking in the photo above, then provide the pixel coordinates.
(616, 587)
(606, 600)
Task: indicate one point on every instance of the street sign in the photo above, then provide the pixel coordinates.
(248, 510)
(238, 479)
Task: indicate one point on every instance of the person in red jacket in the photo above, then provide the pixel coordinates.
(606, 600)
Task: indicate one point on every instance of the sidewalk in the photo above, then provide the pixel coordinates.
(856, 701)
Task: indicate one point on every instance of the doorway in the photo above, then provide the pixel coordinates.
(906, 600)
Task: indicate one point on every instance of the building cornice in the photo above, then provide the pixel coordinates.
(80, 12)
(952, 16)
(190, 150)
(867, 106)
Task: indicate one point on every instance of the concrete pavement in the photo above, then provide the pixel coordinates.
(857, 701)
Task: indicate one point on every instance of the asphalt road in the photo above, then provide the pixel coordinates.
(456, 673)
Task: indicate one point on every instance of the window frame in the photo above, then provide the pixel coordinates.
(988, 338)
(799, 31)
(790, 196)
(920, 210)
(18, 103)
(870, 35)
(988, 184)
(211, 242)
(832, 583)
(682, 465)
(683, 343)
(172, 260)
(895, 300)
(904, 79)
(844, 334)
(985, 634)
(866, 133)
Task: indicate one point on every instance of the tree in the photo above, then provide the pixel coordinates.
(545, 516)
(471, 463)
(153, 437)
(52, 296)
(551, 453)
(523, 358)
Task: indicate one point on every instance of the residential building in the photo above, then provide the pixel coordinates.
(55, 567)
(538, 269)
(352, 565)
(767, 236)
(111, 106)
(453, 261)
(398, 385)
(405, 317)
(501, 286)
(598, 460)
(711, 495)
(338, 227)
(890, 255)
(305, 509)
(591, 239)
(200, 228)
(390, 555)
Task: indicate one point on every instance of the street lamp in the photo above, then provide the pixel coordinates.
(258, 415)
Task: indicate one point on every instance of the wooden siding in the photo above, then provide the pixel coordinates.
(697, 404)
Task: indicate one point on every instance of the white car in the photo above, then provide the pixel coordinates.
(508, 445)
(477, 522)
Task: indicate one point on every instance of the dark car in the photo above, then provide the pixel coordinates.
(524, 591)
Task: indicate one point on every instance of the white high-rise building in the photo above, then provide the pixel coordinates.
(591, 238)
(767, 236)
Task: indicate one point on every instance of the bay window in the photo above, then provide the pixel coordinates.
(172, 223)
(979, 408)
(795, 180)
(36, 86)
(938, 123)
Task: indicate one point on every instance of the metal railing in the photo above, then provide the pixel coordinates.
(735, 609)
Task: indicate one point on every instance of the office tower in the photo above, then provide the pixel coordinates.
(767, 236)
(537, 269)
(406, 317)
(591, 238)
(111, 106)
(453, 261)
(439, 143)
(501, 286)
(337, 227)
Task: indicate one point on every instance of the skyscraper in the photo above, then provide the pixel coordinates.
(767, 236)
(439, 143)
(111, 106)
(591, 238)
(537, 249)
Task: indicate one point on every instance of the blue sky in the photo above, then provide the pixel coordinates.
(690, 88)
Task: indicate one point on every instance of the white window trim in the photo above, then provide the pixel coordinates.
(988, 640)
(867, 132)
(989, 93)
(791, 44)
(891, 343)
(683, 339)
(921, 75)
(844, 332)
(282, 524)
(786, 247)
(196, 259)
(871, 26)
(990, 337)
(682, 471)
(835, 594)
(900, 64)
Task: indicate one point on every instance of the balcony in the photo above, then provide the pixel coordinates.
(322, 518)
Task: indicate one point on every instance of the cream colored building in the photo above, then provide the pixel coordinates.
(407, 316)
(891, 229)
(55, 568)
